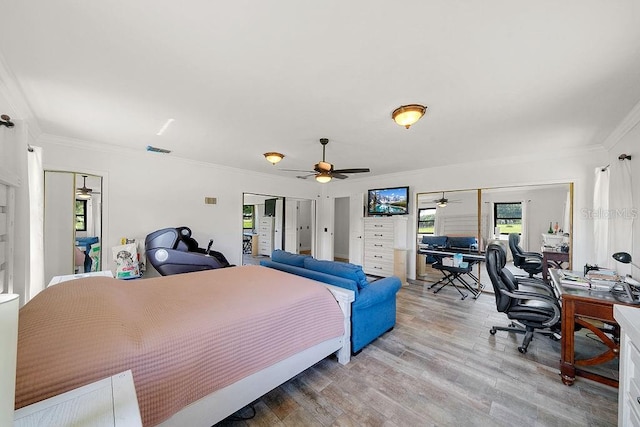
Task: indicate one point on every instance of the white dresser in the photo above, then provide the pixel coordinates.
(385, 246)
(265, 236)
(629, 388)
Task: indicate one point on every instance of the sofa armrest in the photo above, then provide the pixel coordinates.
(378, 291)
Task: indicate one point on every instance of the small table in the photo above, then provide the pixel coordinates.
(555, 259)
(578, 306)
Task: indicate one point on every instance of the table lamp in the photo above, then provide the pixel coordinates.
(624, 258)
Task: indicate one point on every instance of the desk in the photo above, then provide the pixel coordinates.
(555, 259)
(578, 306)
(454, 273)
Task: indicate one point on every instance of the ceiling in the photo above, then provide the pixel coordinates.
(499, 78)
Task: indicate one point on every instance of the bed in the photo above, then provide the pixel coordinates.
(200, 345)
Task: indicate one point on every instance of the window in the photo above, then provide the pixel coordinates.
(247, 216)
(81, 215)
(426, 220)
(508, 217)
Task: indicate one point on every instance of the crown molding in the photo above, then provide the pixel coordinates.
(629, 122)
(14, 96)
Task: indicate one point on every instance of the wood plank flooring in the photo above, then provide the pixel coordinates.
(439, 367)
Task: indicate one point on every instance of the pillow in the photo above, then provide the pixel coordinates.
(340, 269)
(288, 258)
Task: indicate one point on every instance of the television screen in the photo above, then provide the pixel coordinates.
(270, 207)
(388, 201)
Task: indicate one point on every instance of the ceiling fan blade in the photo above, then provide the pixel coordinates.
(353, 170)
(338, 175)
(305, 176)
(296, 170)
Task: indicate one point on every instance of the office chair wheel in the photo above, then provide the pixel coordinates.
(522, 350)
(492, 331)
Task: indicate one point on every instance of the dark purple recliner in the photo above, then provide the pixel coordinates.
(174, 251)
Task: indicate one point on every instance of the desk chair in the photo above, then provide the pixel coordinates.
(533, 307)
(531, 262)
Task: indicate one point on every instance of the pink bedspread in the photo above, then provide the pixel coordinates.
(183, 336)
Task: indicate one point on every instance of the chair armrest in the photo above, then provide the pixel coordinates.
(535, 255)
(536, 283)
(555, 305)
(377, 292)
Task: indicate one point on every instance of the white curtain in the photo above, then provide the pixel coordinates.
(524, 237)
(599, 216)
(36, 222)
(621, 213)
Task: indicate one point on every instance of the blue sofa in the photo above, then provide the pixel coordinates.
(373, 312)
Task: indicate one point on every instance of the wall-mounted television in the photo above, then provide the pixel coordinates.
(270, 207)
(388, 201)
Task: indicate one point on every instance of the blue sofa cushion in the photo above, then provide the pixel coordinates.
(288, 258)
(435, 241)
(340, 269)
(469, 242)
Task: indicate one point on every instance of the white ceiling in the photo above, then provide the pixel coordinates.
(245, 77)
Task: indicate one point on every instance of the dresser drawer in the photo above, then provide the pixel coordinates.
(378, 225)
(379, 234)
(378, 269)
(378, 245)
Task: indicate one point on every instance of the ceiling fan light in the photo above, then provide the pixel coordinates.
(324, 166)
(407, 115)
(323, 177)
(442, 204)
(273, 157)
(81, 195)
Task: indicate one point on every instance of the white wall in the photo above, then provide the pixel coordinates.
(629, 144)
(576, 167)
(143, 192)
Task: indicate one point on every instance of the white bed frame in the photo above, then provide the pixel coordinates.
(224, 402)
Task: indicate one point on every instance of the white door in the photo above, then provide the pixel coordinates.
(277, 227)
(356, 228)
(291, 234)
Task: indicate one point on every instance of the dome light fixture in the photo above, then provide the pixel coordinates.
(273, 157)
(323, 177)
(407, 115)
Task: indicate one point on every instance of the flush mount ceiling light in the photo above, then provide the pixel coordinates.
(273, 157)
(323, 177)
(407, 115)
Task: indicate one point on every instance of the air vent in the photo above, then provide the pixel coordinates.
(158, 150)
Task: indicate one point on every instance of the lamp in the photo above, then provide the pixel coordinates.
(624, 258)
(273, 157)
(407, 115)
(323, 177)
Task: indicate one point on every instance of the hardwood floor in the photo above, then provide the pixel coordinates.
(439, 367)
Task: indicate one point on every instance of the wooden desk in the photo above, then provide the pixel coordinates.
(556, 259)
(578, 307)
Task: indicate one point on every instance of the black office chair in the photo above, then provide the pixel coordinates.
(531, 262)
(535, 308)
(174, 251)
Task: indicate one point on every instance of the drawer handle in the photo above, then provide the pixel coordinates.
(377, 225)
(378, 235)
(380, 256)
(379, 268)
(376, 244)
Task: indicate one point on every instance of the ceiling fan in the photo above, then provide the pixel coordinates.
(443, 201)
(324, 171)
(84, 192)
